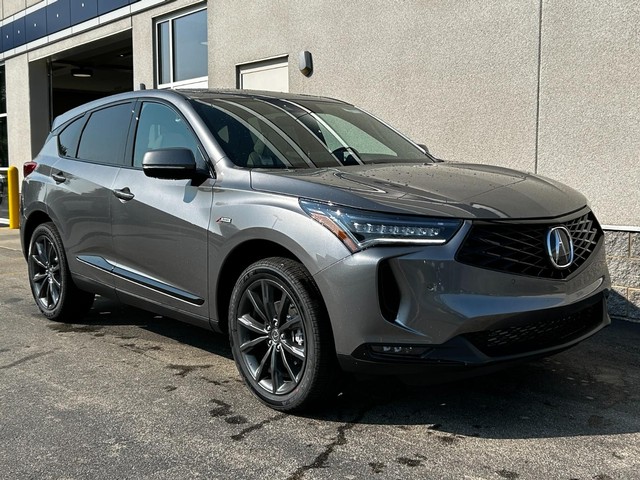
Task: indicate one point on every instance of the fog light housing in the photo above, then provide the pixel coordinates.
(399, 350)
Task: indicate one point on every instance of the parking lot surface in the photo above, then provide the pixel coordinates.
(126, 394)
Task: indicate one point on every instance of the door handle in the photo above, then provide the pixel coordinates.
(124, 194)
(59, 177)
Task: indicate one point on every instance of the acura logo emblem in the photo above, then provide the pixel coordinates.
(560, 247)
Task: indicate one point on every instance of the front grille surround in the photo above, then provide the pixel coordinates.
(520, 248)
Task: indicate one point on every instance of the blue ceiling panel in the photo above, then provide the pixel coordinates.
(19, 32)
(55, 17)
(105, 6)
(83, 10)
(36, 25)
(58, 16)
(7, 37)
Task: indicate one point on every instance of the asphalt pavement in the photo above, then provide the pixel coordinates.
(126, 394)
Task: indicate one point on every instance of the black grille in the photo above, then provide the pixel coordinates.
(521, 248)
(538, 334)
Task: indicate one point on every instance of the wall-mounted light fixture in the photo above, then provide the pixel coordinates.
(305, 63)
(82, 72)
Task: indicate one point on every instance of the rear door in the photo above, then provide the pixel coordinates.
(91, 151)
(160, 226)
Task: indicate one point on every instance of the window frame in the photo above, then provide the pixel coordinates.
(169, 19)
(133, 133)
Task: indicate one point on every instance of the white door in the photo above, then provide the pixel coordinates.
(271, 75)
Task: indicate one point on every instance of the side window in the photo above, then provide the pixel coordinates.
(104, 137)
(68, 138)
(241, 139)
(159, 126)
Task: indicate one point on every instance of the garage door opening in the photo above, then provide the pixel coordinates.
(92, 71)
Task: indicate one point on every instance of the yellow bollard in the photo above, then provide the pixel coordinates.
(14, 198)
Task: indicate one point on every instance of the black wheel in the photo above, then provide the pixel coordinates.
(280, 334)
(56, 295)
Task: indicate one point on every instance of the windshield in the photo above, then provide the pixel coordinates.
(278, 133)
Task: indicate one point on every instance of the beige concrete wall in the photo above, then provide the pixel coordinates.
(10, 7)
(457, 75)
(18, 111)
(590, 103)
(27, 108)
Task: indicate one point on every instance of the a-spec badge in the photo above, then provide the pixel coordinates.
(560, 247)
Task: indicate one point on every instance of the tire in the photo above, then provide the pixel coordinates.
(280, 335)
(52, 287)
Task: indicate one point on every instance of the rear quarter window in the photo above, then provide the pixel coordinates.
(104, 138)
(68, 138)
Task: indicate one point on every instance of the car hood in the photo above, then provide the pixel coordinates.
(459, 190)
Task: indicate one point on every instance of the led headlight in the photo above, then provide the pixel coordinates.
(359, 229)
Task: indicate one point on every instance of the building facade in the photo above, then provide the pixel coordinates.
(550, 87)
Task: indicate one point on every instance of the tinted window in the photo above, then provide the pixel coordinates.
(105, 136)
(68, 138)
(242, 137)
(159, 126)
(302, 135)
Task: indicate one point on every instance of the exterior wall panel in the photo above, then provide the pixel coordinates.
(18, 106)
(459, 76)
(19, 32)
(36, 25)
(11, 7)
(590, 103)
(106, 6)
(7, 37)
(59, 16)
(82, 10)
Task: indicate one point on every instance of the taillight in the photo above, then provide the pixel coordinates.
(28, 168)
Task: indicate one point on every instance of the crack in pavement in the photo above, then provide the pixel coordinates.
(25, 359)
(257, 426)
(341, 439)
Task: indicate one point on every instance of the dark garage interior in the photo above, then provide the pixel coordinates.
(92, 71)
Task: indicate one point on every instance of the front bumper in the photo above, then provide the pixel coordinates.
(529, 336)
(450, 316)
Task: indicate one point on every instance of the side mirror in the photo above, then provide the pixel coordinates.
(169, 164)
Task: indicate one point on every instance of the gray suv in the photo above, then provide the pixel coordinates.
(316, 236)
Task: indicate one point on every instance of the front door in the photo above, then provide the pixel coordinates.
(160, 226)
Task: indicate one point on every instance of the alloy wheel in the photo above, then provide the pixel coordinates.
(271, 336)
(46, 275)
